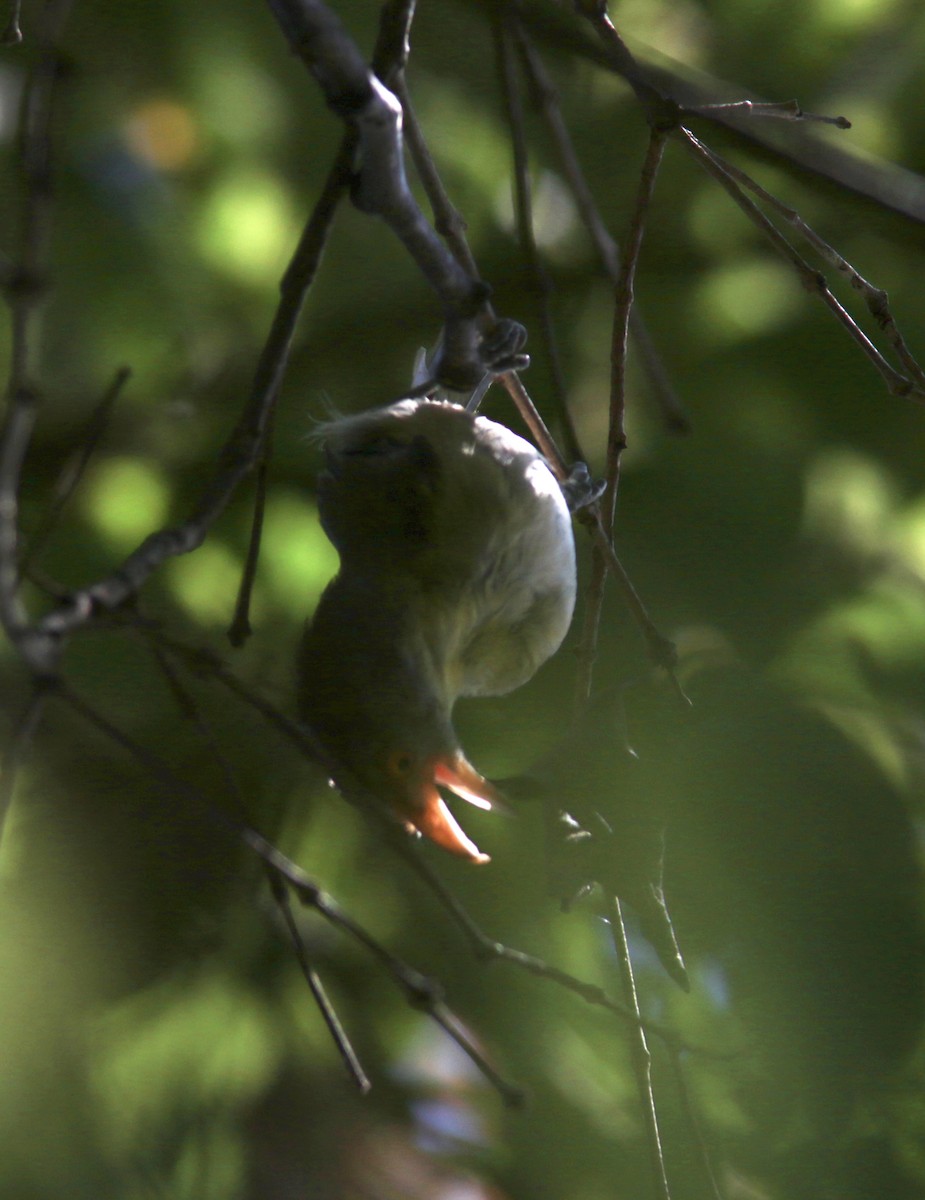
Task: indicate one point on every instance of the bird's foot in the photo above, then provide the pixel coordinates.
(501, 348)
(580, 489)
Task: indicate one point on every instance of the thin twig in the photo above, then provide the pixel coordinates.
(194, 715)
(590, 629)
(624, 295)
(694, 1122)
(539, 431)
(417, 987)
(14, 445)
(73, 470)
(675, 418)
(448, 221)
(17, 748)
(27, 284)
(639, 1050)
(885, 184)
(25, 287)
(389, 57)
(240, 628)
(421, 992)
(242, 449)
(660, 110)
(781, 110)
(661, 649)
(313, 979)
(813, 281)
(875, 298)
(523, 207)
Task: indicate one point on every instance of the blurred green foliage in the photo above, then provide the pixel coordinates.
(156, 1037)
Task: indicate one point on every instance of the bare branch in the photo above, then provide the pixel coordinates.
(547, 98)
(523, 207)
(236, 459)
(419, 991)
(781, 110)
(313, 979)
(624, 296)
(813, 281)
(25, 287)
(694, 1123)
(240, 628)
(639, 1049)
(359, 98)
(616, 434)
(73, 470)
(885, 184)
(875, 298)
(210, 666)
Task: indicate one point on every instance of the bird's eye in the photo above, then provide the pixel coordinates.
(399, 764)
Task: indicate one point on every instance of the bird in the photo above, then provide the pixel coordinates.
(456, 578)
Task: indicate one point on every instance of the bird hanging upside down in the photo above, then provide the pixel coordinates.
(457, 578)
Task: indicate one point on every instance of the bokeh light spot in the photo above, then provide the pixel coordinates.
(247, 228)
(298, 560)
(164, 134)
(126, 499)
(746, 298)
(206, 583)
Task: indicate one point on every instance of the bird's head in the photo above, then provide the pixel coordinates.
(410, 781)
(373, 707)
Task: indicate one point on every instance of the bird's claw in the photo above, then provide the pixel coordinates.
(580, 489)
(500, 349)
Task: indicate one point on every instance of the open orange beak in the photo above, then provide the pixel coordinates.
(436, 821)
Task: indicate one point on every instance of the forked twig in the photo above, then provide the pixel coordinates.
(418, 989)
(208, 665)
(389, 56)
(812, 280)
(192, 713)
(875, 299)
(781, 110)
(355, 1070)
